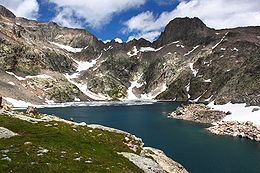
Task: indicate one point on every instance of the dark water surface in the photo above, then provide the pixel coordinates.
(188, 143)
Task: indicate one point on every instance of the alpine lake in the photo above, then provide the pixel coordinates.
(188, 143)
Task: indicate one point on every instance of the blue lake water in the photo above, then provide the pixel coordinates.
(186, 142)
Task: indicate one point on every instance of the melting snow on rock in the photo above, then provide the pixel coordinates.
(67, 48)
(239, 112)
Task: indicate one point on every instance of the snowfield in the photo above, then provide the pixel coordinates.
(67, 48)
(239, 112)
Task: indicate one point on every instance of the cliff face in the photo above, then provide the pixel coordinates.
(189, 61)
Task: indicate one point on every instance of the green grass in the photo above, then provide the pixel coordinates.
(96, 148)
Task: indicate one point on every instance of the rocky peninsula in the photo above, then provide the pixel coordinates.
(201, 113)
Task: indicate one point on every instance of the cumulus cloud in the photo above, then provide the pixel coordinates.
(119, 40)
(77, 13)
(147, 35)
(22, 8)
(214, 13)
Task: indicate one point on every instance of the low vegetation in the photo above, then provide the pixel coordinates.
(60, 147)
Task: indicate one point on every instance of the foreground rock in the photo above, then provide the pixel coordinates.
(165, 162)
(32, 110)
(236, 129)
(199, 113)
(5, 133)
(152, 160)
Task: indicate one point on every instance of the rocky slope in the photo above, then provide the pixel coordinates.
(189, 61)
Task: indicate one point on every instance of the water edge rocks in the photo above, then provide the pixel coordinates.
(236, 129)
(201, 113)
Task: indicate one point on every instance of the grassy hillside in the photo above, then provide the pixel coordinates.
(60, 147)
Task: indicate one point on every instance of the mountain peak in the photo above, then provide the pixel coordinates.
(186, 21)
(6, 13)
(192, 31)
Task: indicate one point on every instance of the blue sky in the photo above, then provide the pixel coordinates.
(114, 29)
(128, 19)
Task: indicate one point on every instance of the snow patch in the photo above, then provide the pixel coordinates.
(106, 49)
(194, 72)
(220, 41)
(84, 88)
(153, 94)
(149, 49)
(17, 103)
(235, 49)
(208, 99)
(83, 66)
(179, 45)
(76, 99)
(196, 100)
(11, 83)
(175, 42)
(43, 76)
(239, 112)
(17, 77)
(67, 48)
(188, 89)
(194, 48)
(208, 80)
(130, 94)
(134, 52)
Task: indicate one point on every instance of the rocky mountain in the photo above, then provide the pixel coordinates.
(43, 62)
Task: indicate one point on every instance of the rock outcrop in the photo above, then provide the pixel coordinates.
(5, 133)
(166, 163)
(237, 129)
(199, 113)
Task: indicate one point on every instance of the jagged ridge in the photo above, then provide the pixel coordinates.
(189, 61)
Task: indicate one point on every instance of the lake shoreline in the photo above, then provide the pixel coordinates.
(200, 113)
(149, 160)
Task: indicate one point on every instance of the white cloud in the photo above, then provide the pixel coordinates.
(119, 40)
(94, 13)
(151, 36)
(66, 17)
(22, 8)
(106, 41)
(217, 14)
